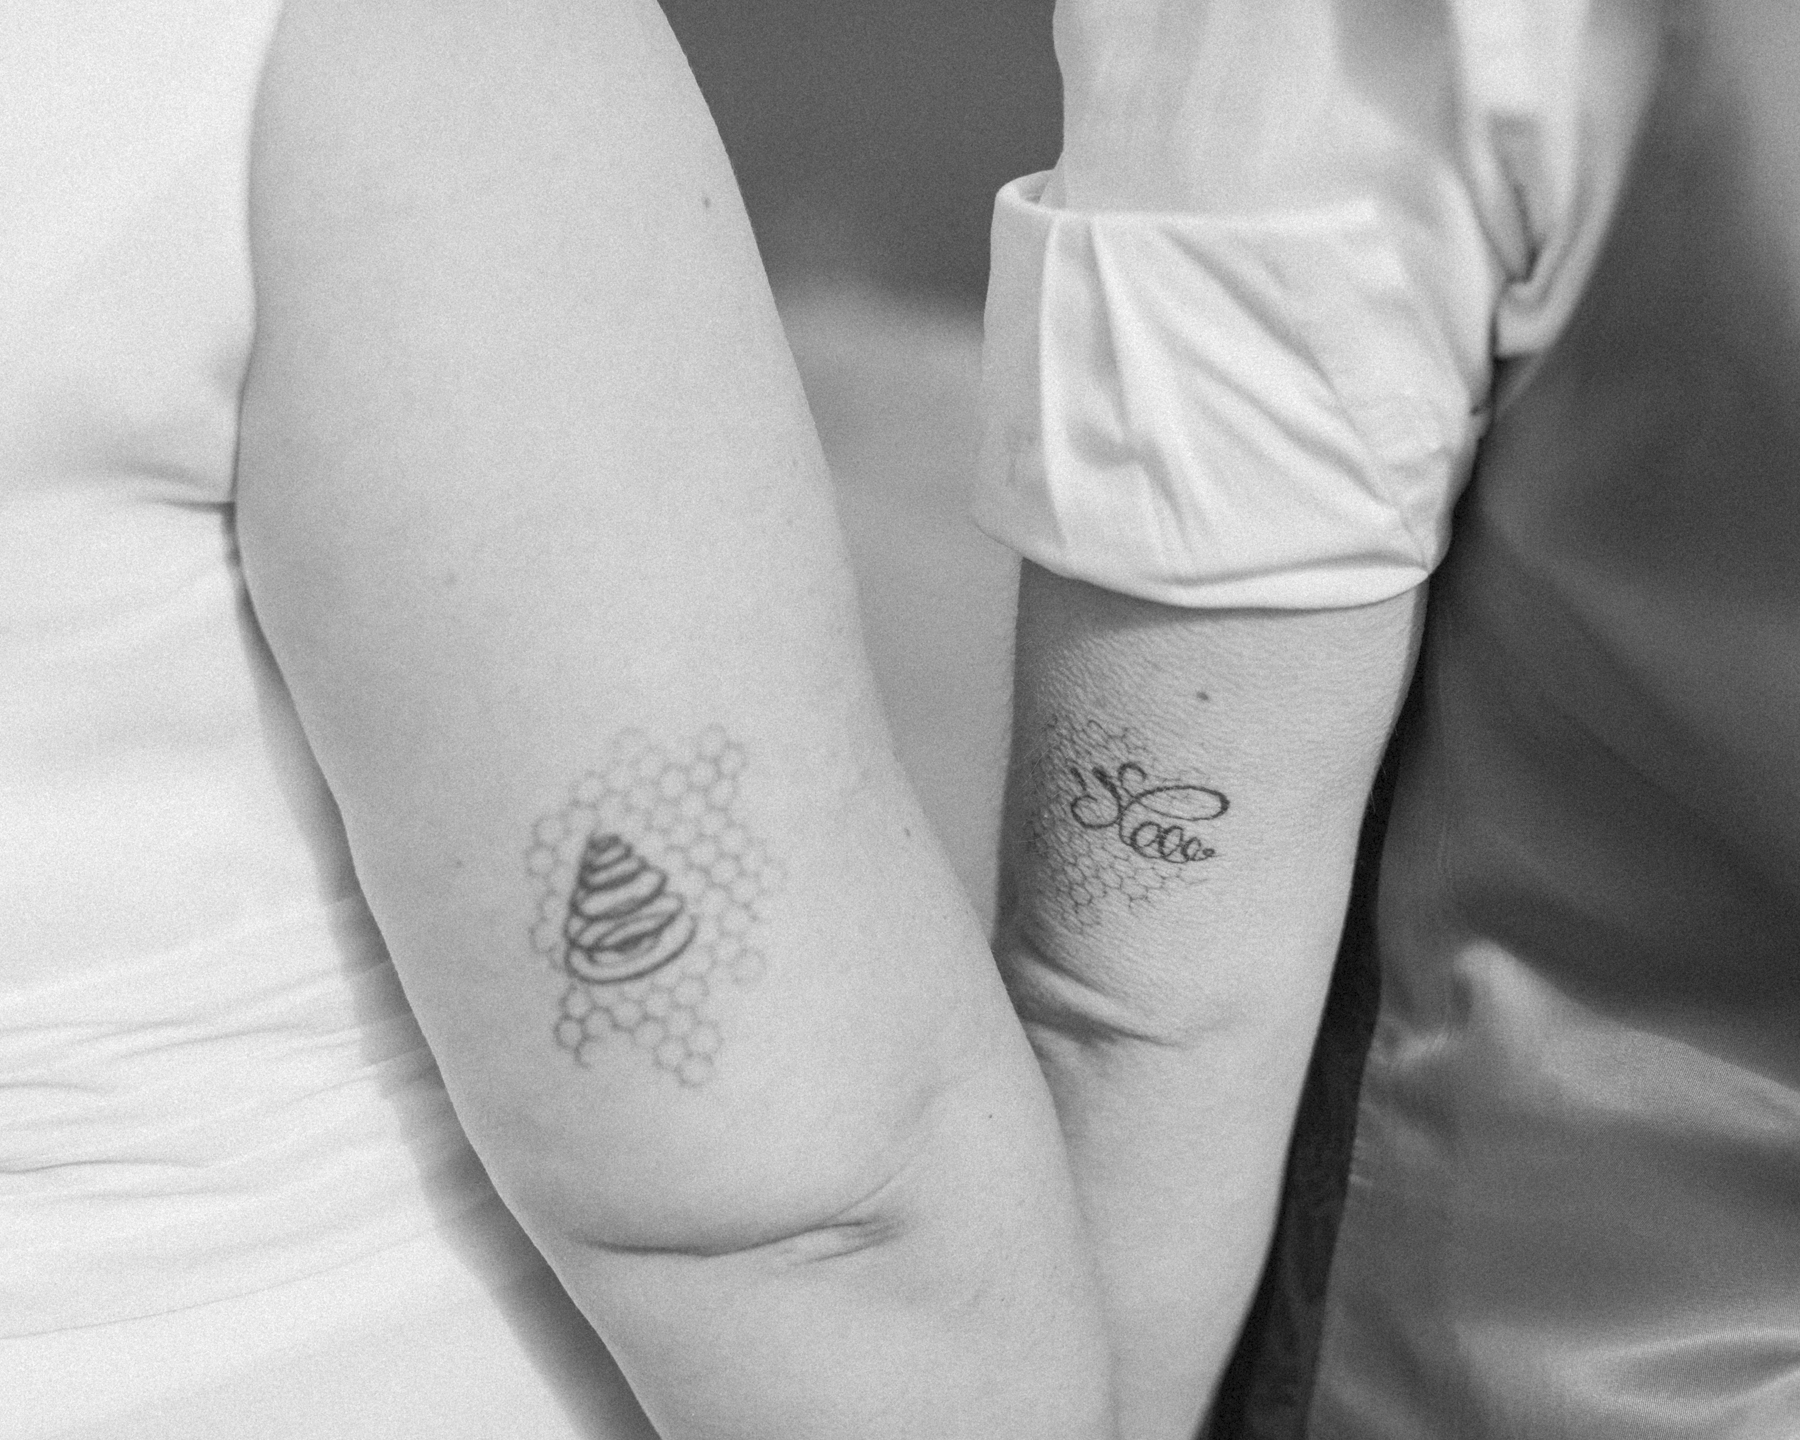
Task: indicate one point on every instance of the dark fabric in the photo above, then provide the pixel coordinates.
(1266, 1389)
(1572, 1209)
(1572, 1212)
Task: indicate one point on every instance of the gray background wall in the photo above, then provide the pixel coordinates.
(870, 136)
(869, 139)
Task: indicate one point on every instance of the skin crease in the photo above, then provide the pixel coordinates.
(504, 340)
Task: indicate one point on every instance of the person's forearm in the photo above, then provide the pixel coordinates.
(1177, 1142)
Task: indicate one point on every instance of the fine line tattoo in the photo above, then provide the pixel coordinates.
(1151, 819)
(649, 894)
(624, 921)
(1098, 821)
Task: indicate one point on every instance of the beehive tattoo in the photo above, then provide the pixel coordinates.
(624, 921)
(1096, 822)
(650, 895)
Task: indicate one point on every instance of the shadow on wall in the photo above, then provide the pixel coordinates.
(869, 138)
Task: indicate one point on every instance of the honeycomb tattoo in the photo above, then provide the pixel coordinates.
(1095, 823)
(648, 898)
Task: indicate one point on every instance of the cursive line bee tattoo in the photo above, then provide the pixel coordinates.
(1094, 821)
(1151, 819)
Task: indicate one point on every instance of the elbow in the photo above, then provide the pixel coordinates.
(1097, 996)
(801, 1221)
(809, 1173)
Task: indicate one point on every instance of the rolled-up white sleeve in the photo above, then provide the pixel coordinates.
(1260, 395)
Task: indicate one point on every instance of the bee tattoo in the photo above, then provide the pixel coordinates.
(1152, 820)
(1100, 827)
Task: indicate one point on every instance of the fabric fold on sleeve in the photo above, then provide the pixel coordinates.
(1216, 410)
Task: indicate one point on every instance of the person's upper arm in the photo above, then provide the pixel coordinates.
(1184, 796)
(1238, 359)
(1230, 401)
(517, 400)
(1241, 345)
(534, 518)
(1243, 340)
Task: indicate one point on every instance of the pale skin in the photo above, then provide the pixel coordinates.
(525, 470)
(1171, 968)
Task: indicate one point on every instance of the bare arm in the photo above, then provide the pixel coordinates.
(1182, 813)
(537, 526)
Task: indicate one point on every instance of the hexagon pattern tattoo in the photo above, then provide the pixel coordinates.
(649, 899)
(1098, 822)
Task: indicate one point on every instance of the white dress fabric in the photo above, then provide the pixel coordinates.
(1241, 340)
(234, 1199)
